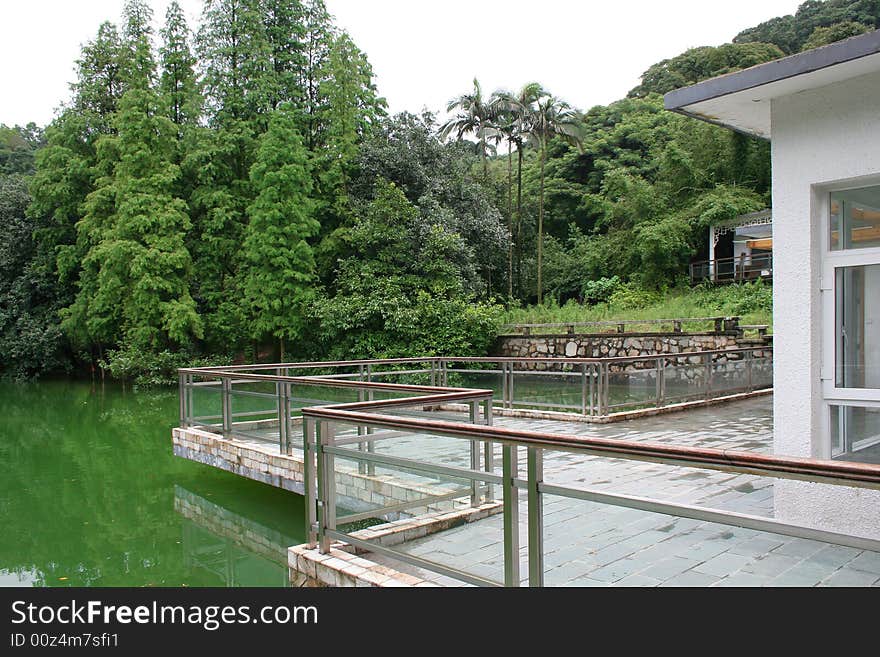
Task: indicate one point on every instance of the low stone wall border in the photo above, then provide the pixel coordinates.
(346, 566)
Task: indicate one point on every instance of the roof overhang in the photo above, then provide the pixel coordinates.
(741, 100)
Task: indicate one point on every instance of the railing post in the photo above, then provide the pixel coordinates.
(433, 373)
(536, 516)
(749, 356)
(707, 358)
(190, 413)
(326, 486)
(605, 383)
(370, 446)
(511, 516)
(592, 393)
(489, 453)
(282, 394)
(475, 455)
(309, 474)
(282, 422)
(658, 380)
(362, 446)
(583, 389)
(503, 384)
(182, 389)
(226, 401)
(510, 368)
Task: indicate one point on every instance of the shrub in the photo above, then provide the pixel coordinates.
(632, 296)
(601, 289)
(154, 369)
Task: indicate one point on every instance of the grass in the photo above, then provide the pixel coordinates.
(751, 302)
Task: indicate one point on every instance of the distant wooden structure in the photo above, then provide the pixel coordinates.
(749, 241)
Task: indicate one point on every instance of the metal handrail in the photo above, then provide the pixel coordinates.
(367, 414)
(866, 475)
(320, 451)
(734, 259)
(731, 269)
(596, 375)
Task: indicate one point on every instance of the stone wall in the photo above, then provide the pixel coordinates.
(611, 345)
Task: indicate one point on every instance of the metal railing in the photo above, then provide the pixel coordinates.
(323, 447)
(402, 433)
(728, 270)
(676, 325)
(260, 401)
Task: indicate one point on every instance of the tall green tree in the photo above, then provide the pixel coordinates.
(134, 285)
(279, 260)
(550, 118)
(151, 223)
(100, 79)
(474, 115)
(319, 32)
(178, 85)
(400, 292)
(513, 113)
(351, 111)
(236, 59)
(234, 54)
(286, 32)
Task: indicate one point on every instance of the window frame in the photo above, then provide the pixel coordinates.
(831, 261)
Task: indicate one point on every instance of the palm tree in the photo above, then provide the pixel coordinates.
(474, 115)
(514, 112)
(550, 118)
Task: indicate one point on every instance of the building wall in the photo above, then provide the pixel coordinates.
(820, 137)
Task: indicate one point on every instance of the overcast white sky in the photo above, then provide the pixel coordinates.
(423, 53)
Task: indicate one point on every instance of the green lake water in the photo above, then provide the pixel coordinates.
(91, 495)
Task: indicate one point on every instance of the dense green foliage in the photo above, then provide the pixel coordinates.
(791, 33)
(206, 199)
(702, 63)
(401, 292)
(236, 190)
(279, 263)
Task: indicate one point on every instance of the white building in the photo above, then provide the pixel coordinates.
(821, 111)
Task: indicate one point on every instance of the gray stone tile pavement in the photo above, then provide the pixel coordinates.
(588, 544)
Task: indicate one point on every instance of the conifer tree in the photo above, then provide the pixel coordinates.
(352, 108)
(318, 37)
(286, 34)
(279, 260)
(100, 79)
(134, 285)
(235, 59)
(352, 105)
(178, 84)
(150, 222)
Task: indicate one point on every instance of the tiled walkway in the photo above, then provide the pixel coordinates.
(588, 544)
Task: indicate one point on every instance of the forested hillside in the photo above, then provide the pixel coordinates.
(236, 190)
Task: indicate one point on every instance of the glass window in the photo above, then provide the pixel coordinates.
(855, 218)
(855, 433)
(857, 327)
